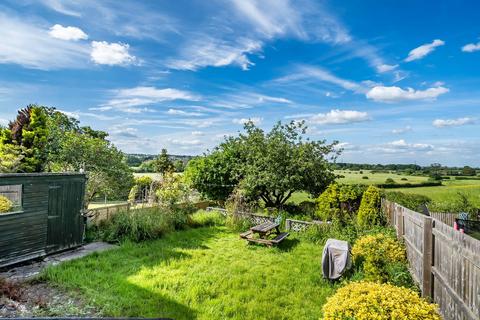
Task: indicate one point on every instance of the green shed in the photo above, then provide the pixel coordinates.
(44, 214)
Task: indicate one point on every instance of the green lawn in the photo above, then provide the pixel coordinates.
(206, 273)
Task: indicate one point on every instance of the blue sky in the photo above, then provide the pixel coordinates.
(394, 82)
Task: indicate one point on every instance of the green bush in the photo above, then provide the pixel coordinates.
(135, 225)
(5, 204)
(390, 181)
(369, 213)
(237, 222)
(338, 203)
(204, 218)
(366, 177)
(411, 201)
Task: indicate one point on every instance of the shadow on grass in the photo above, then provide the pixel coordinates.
(102, 279)
(288, 244)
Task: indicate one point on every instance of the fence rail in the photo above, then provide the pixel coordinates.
(444, 261)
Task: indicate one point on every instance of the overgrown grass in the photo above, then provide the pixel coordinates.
(203, 273)
(203, 218)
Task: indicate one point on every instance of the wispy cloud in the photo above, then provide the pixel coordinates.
(400, 146)
(178, 112)
(402, 130)
(334, 116)
(209, 51)
(313, 73)
(30, 45)
(397, 94)
(129, 100)
(442, 123)
(423, 50)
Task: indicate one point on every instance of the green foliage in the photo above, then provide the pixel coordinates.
(468, 171)
(133, 194)
(365, 177)
(214, 175)
(369, 300)
(174, 196)
(270, 165)
(162, 163)
(369, 213)
(108, 173)
(339, 202)
(374, 253)
(390, 181)
(179, 166)
(5, 204)
(23, 145)
(135, 225)
(411, 201)
(203, 218)
(459, 202)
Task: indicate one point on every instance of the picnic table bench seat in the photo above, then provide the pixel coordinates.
(264, 230)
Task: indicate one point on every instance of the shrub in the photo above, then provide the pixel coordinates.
(5, 204)
(411, 201)
(365, 177)
(374, 253)
(369, 213)
(204, 218)
(136, 225)
(390, 181)
(339, 202)
(404, 179)
(238, 222)
(367, 300)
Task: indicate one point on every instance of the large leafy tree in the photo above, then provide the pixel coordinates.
(267, 165)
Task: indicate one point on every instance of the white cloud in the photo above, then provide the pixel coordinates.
(307, 72)
(177, 112)
(186, 142)
(386, 67)
(111, 53)
(3, 122)
(337, 116)
(209, 51)
(471, 47)
(397, 94)
(401, 145)
(256, 120)
(67, 33)
(29, 45)
(198, 133)
(402, 130)
(274, 18)
(441, 123)
(128, 100)
(262, 98)
(423, 50)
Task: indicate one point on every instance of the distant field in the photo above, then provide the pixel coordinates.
(153, 175)
(446, 193)
(355, 177)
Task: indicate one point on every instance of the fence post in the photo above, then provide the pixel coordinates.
(427, 257)
(287, 224)
(400, 223)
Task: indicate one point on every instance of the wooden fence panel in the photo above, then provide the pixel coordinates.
(444, 261)
(447, 218)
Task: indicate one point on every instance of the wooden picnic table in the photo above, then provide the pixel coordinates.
(264, 230)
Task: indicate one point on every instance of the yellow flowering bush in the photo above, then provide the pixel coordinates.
(5, 204)
(375, 252)
(374, 301)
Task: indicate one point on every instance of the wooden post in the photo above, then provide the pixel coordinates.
(400, 223)
(427, 257)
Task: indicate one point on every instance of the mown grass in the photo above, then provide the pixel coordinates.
(204, 273)
(355, 177)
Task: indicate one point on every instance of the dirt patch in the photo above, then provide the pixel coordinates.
(34, 299)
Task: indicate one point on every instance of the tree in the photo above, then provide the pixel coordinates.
(24, 141)
(468, 171)
(163, 163)
(108, 172)
(269, 166)
(179, 166)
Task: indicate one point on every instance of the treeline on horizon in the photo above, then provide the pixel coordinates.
(137, 159)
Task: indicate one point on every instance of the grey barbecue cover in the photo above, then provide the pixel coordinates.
(335, 259)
